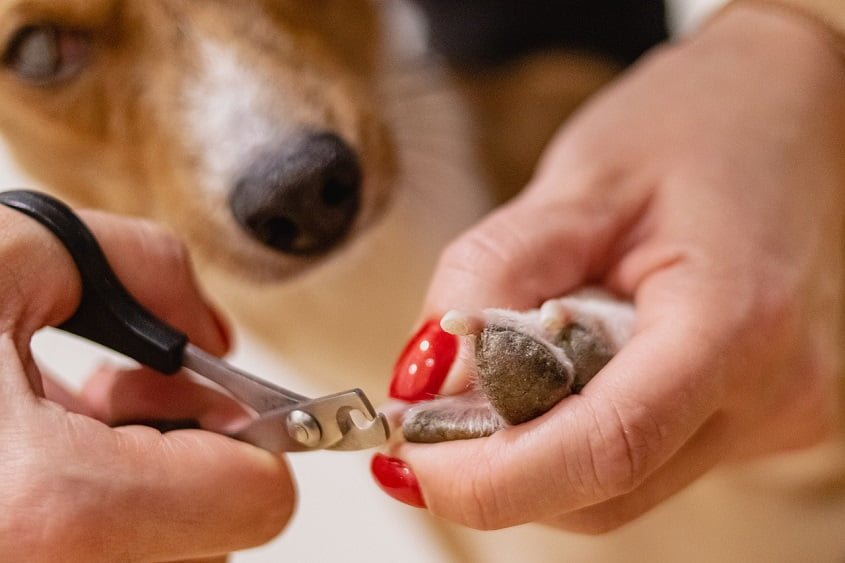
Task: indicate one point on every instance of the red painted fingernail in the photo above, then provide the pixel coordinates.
(396, 479)
(424, 363)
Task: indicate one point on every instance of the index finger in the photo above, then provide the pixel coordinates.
(156, 269)
(514, 259)
(41, 287)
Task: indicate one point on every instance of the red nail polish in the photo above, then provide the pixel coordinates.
(396, 479)
(424, 363)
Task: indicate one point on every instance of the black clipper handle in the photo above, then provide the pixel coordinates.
(107, 313)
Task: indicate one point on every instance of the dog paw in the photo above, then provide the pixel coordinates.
(522, 363)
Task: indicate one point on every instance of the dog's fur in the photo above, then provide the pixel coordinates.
(166, 104)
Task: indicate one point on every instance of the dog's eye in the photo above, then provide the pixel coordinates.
(45, 53)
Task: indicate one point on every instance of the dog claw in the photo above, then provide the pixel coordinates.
(554, 316)
(461, 323)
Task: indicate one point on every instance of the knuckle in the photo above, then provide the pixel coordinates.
(472, 252)
(621, 448)
(589, 179)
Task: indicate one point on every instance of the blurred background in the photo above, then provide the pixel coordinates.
(341, 514)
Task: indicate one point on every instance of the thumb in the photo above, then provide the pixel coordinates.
(532, 249)
(159, 497)
(195, 493)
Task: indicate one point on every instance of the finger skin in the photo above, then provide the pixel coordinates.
(154, 267)
(42, 285)
(57, 393)
(31, 299)
(711, 446)
(589, 448)
(157, 271)
(118, 396)
(513, 259)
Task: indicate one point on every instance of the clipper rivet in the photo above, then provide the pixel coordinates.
(303, 428)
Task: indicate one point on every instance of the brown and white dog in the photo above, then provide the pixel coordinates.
(273, 136)
(269, 136)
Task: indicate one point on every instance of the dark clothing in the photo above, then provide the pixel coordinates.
(469, 32)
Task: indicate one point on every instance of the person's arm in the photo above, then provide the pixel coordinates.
(829, 13)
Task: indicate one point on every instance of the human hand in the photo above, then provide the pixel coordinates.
(74, 489)
(708, 185)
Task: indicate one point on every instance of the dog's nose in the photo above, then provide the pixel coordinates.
(301, 201)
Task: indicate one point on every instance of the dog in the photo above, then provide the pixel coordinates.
(270, 139)
(313, 179)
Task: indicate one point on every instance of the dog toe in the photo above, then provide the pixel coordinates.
(525, 363)
(460, 417)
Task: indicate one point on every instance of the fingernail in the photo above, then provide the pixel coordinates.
(424, 363)
(223, 328)
(397, 479)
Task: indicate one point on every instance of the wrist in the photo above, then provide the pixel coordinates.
(793, 49)
(827, 16)
(790, 20)
(805, 71)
